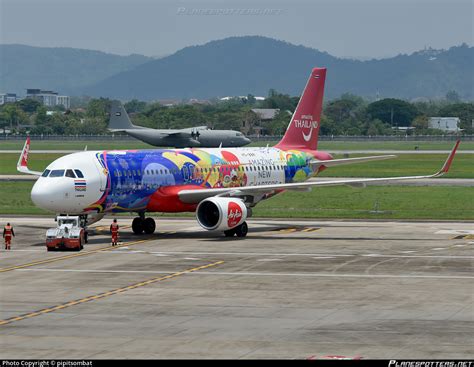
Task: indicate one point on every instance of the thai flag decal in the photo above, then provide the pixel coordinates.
(80, 185)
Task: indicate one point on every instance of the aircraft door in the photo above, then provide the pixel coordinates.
(103, 173)
(185, 173)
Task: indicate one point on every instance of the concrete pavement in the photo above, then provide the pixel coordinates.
(291, 289)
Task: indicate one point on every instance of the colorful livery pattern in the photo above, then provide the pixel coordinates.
(136, 179)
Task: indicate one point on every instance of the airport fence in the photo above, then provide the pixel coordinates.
(261, 138)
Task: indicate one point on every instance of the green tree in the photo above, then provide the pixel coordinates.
(453, 97)
(28, 105)
(421, 124)
(279, 124)
(278, 100)
(98, 107)
(393, 111)
(14, 116)
(135, 106)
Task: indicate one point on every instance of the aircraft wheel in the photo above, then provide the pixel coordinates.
(149, 225)
(229, 233)
(242, 230)
(137, 225)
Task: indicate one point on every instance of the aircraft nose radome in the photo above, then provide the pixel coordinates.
(42, 195)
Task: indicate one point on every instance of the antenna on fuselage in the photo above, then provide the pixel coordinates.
(220, 145)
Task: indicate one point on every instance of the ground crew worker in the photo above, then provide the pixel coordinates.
(114, 228)
(7, 235)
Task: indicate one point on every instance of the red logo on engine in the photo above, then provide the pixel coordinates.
(234, 214)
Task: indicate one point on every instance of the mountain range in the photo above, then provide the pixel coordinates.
(62, 69)
(235, 66)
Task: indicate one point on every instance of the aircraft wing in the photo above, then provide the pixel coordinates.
(195, 196)
(22, 165)
(343, 161)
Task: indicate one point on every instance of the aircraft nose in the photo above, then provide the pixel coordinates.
(247, 140)
(42, 195)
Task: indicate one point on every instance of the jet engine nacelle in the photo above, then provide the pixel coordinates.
(221, 214)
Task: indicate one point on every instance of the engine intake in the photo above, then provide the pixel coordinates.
(221, 213)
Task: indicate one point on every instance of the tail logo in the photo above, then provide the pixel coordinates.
(306, 122)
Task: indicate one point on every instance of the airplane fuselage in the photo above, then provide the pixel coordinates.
(148, 180)
(202, 138)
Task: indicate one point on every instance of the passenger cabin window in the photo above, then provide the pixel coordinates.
(70, 173)
(57, 173)
(45, 173)
(79, 173)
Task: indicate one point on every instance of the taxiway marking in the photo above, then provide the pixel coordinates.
(264, 254)
(79, 254)
(243, 273)
(106, 294)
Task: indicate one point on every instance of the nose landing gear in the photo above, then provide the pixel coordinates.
(141, 224)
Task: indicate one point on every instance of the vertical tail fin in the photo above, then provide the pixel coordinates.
(119, 119)
(303, 130)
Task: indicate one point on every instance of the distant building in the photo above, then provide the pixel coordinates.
(48, 98)
(228, 98)
(63, 101)
(256, 119)
(7, 98)
(447, 124)
(266, 114)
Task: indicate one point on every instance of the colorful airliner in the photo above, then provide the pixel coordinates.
(221, 185)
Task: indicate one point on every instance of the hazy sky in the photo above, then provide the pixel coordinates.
(346, 28)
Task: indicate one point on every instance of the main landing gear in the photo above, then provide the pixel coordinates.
(141, 224)
(240, 231)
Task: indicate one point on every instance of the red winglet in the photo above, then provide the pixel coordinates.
(448, 162)
(22, 165)
(24, 154)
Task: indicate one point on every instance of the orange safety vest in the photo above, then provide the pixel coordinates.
(114, 227)
(8, 231)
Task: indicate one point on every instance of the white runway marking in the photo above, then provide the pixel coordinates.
(256, 274)
(191, 253)
(269, 259)
(438, 248)
(323, 257)
(23, 250)
(455, 231)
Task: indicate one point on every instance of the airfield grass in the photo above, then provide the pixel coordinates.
(323, 145)
(373, 202)
(403, 165)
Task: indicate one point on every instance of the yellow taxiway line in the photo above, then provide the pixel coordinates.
(59, 258)
(106, 294)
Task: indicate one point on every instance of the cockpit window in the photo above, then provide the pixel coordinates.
(57, 173)
(45, 173)
(70, 173)
(239, 134)
(79, 173)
